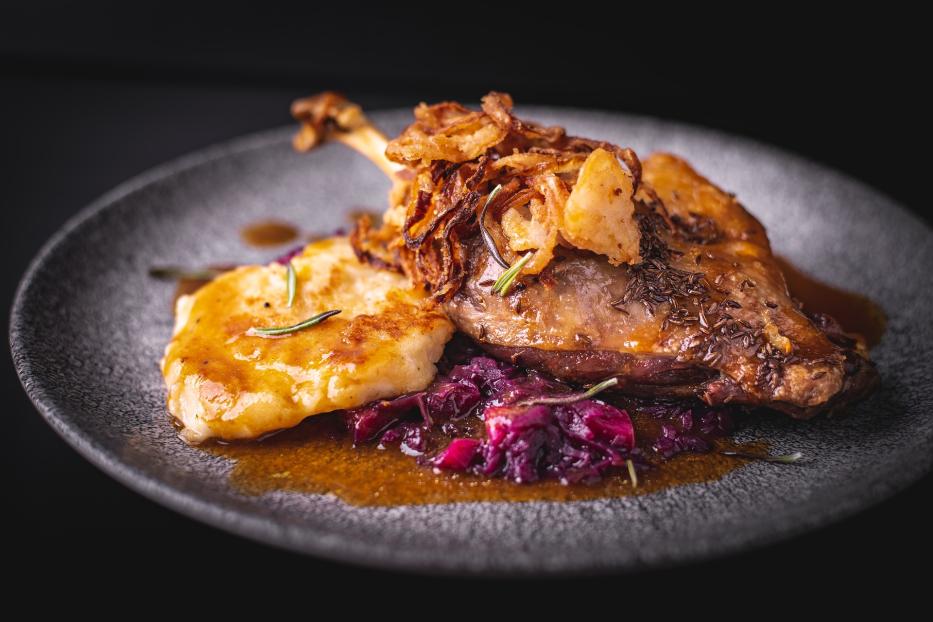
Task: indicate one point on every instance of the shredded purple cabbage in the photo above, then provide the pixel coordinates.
(460, 454)
(370, 421)
(685, 429)
(486, 374)
(575, 442)
(581, 441)
(410, 436)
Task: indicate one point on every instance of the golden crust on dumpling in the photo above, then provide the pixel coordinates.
(226, 383)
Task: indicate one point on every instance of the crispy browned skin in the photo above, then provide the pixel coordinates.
(584, 319)
(699, 308)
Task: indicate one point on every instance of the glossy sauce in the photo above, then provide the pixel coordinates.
(854, 312)
(269, 233)
(317, 457)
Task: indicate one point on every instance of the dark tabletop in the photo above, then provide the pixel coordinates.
(84, 108)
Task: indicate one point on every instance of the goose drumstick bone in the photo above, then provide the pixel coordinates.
(330, 116)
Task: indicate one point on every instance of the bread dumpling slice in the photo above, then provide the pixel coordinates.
(226, 382)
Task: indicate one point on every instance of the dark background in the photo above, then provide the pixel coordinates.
(94, 93)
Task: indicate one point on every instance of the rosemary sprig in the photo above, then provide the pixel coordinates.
(292, 278)
(487, 238)
(560, 400)
(504, 283)
(176, 273)
(632, 475)
(785, 459)
(285, 330)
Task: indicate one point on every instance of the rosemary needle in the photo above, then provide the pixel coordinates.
(559, 400)
(504, 283)
(487, 238)
(632, 475)
(785, 459)
(285, 330)
(292, 278)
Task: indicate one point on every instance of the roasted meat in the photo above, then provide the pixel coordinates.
(642, 271)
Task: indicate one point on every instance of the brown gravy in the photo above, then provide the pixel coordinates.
(269, 233)
(318, 457)
(854, 312)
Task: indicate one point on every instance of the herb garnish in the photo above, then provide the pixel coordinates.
(487, 238)
(632, 475)
(571, 398)
(285, 330)
(785, 459)
(176, 273)
(292, 278)
(504, 283)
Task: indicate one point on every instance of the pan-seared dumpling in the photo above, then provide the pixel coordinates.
(224, 381)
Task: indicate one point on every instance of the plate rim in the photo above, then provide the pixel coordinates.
(343, 549)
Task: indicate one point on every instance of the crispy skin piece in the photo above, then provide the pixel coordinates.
(682, 298)
(598, 214)
(707, 313)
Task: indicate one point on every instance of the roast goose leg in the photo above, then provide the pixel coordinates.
(698, 308)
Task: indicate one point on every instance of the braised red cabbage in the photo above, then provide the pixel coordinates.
(474, 394)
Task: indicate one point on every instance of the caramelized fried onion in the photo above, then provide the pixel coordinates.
(455, 157)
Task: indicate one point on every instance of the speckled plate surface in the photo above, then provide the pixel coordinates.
(88, 328)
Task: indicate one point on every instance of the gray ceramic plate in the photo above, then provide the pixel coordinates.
(88, 327)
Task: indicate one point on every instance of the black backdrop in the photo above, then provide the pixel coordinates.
(93, 93)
